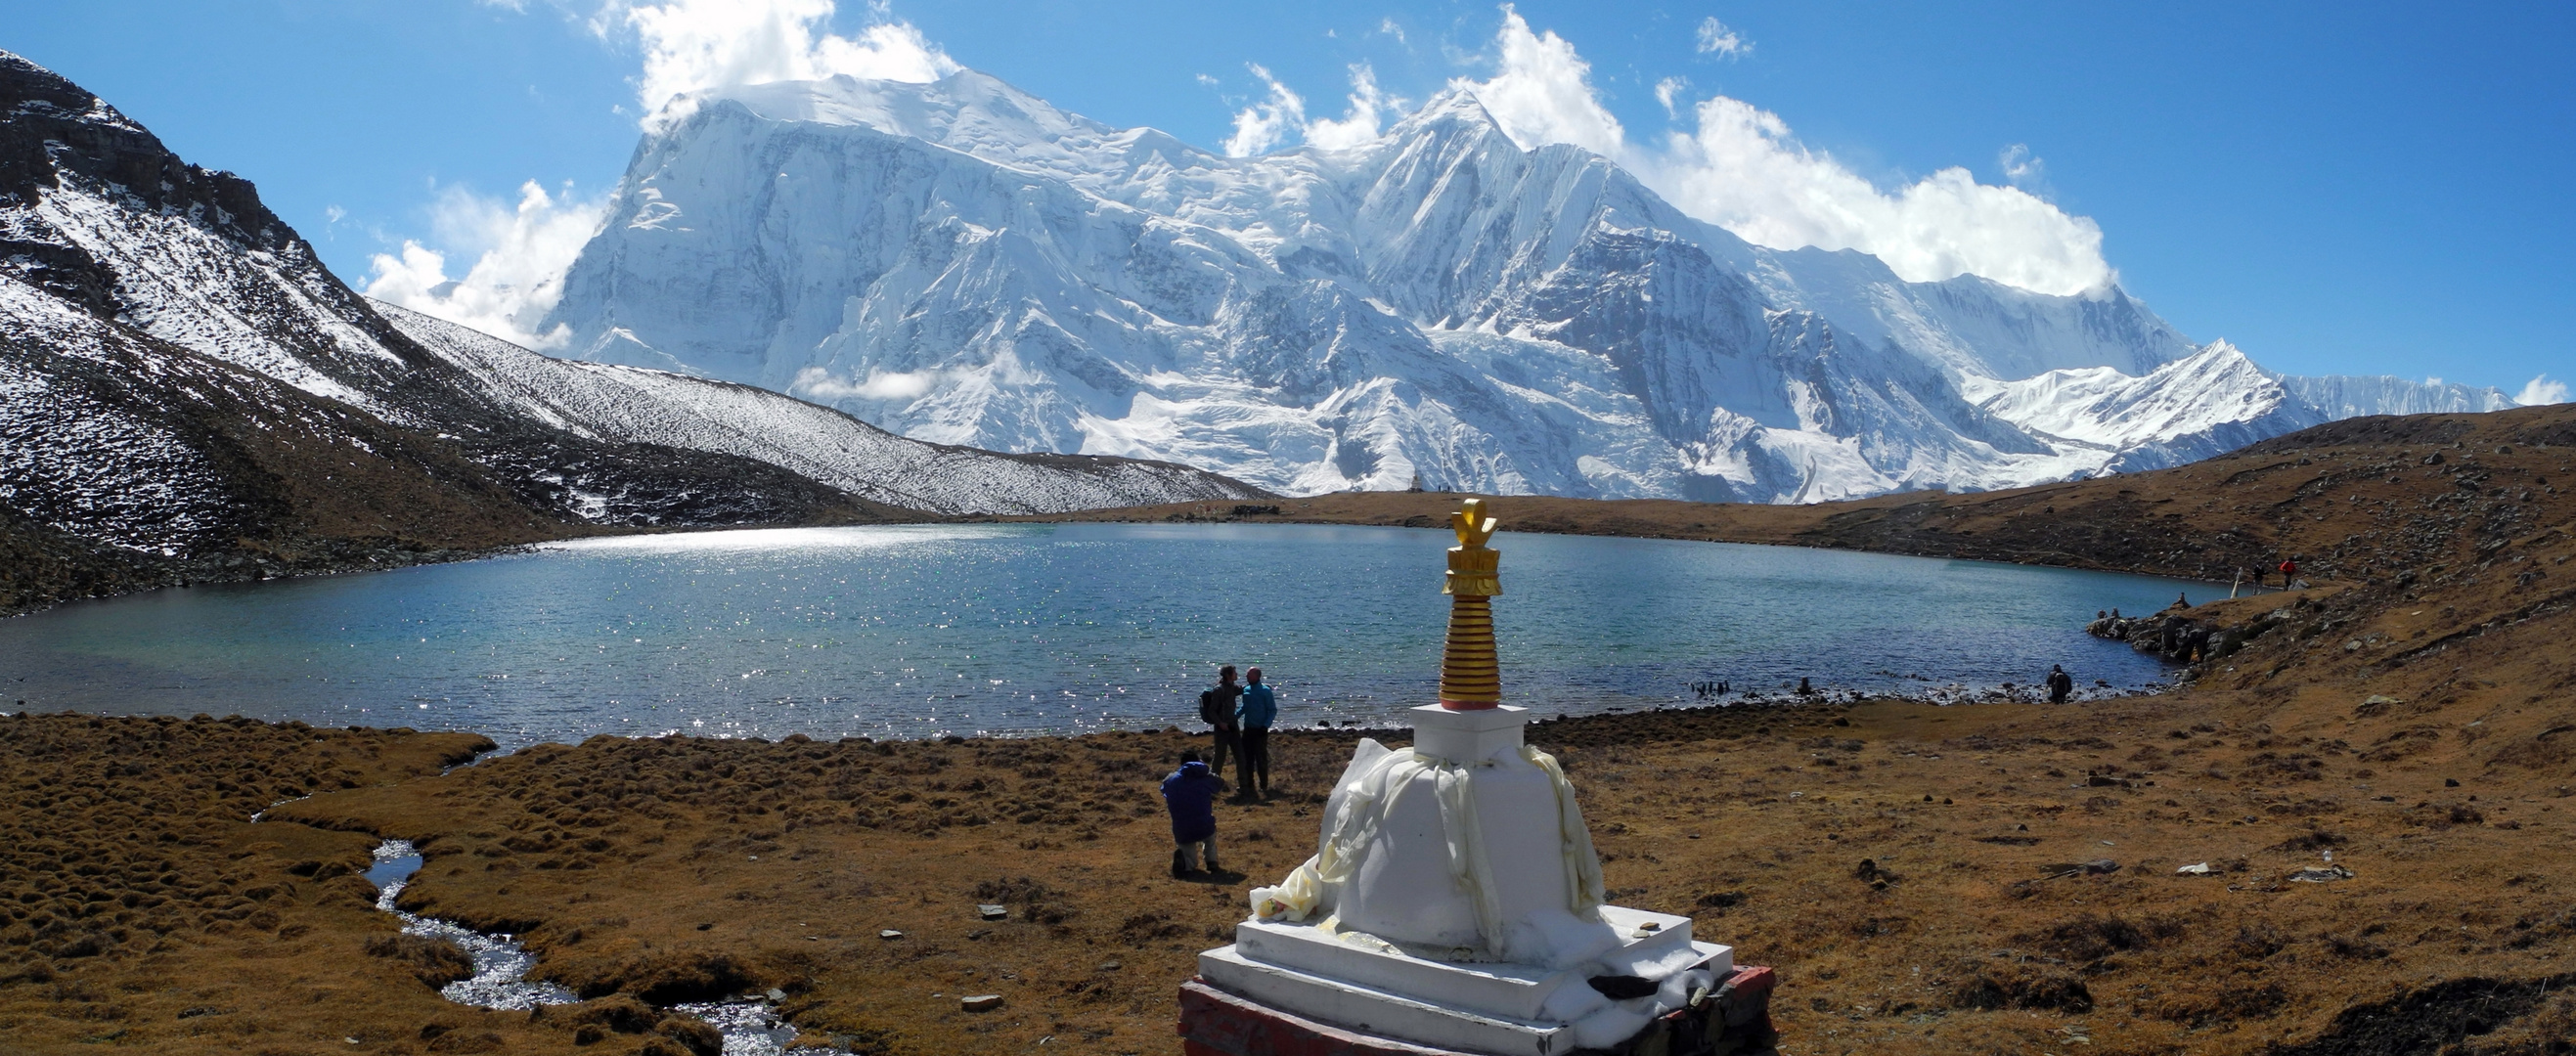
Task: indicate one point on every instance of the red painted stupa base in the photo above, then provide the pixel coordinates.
(1217, 1023)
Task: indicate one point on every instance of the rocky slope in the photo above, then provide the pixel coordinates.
(962, 262)
(187, 393)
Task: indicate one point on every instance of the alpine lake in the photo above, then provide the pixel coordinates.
(920, 631)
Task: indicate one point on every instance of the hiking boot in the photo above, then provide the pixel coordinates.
(1180, 864)
(1212, 866)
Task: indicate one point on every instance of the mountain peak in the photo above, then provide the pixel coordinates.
(1452, 110)
(29, 90)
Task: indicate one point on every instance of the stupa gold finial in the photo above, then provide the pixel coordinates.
(1470, 676)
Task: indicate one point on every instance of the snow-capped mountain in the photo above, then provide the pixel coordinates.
(961, 262)
(638, 406)
(179, 375)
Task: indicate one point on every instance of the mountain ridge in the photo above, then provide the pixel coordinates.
(960, 261)
(188, 393)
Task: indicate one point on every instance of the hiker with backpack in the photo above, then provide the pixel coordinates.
(1216, 708)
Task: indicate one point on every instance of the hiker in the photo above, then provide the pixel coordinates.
(1190, 794)
(1260, 708)
(2060, 684)
(1216, 708)
(2289, 568)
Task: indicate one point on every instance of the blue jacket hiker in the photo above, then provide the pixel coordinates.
(1260, 708)
(1190, 794)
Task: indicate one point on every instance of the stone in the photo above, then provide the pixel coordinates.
(980, 1003)
(993, 912)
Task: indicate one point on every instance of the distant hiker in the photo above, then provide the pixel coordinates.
(1216, 708)
(1260, 709)
(2181, 602)
(2060, 684)
(1190, 794)
(1805, 688)
(2289, 568)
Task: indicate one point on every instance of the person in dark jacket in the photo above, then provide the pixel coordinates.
(1190, 795)
(2060, 684)
(1216, 708)
(1259, 710)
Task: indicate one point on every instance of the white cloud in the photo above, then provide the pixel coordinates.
(523, 251)
(1267, 123)
(1542, 92)
(1743, 170)
(1716, 39)
(1388, 27)
(332, 214)
(1360, 124)
(817, 384)
(693, 45)
(1280, 116)
(1669, 89)
(2541, 390)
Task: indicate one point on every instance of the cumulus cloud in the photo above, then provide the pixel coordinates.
(1716, 39)
(1359, 124)
(1541, 92)
(1268, 122)
(522, 252)
(1280, 116)
(1741, 169)
(2541, 390)
(693, 45)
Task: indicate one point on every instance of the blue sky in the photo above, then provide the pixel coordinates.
(2344, 188)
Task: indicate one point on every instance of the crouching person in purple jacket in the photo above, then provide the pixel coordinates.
(1190, 794)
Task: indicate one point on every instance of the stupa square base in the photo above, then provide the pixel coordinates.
(1217, 1022)
(1507, 991)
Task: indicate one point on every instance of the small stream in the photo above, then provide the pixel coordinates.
(751, 1026)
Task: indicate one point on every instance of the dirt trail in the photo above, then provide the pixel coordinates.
(1913, 871)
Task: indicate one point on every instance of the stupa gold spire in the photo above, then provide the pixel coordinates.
(1470, 678)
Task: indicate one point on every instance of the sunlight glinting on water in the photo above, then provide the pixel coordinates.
(927, 630)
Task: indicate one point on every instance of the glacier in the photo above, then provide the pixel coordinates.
(962, 263)
(182, 378)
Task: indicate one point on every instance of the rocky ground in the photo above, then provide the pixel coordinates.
(1997, 878)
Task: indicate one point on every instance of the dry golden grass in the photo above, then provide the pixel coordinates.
(2437, 651)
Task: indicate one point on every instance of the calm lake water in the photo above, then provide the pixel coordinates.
(916, 631)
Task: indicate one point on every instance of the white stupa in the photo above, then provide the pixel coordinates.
(1455, 900)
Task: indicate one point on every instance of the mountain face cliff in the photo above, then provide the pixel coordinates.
(961, 262)
(185, 385)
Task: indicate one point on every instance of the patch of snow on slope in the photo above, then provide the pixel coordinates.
(635, 405)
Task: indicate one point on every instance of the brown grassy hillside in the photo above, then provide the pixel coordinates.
(2413, 715)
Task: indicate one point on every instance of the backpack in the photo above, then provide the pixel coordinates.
(1208, 708)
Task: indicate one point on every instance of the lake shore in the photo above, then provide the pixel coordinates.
(1897, 861)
